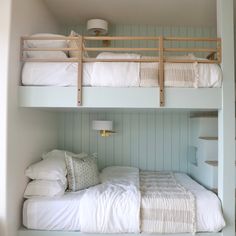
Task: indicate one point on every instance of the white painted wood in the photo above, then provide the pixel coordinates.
(100, 97)
(161, 12)
(226, 121)
(5, 12)
(25, 232)
(47, 96)
(29, 131)
(202, 127)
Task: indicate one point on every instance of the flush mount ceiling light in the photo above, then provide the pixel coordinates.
(104, 126)
(97, 27)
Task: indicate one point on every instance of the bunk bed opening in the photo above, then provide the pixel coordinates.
(86, 103)
(136, 157)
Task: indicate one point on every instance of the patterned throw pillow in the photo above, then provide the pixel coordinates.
(81, 172)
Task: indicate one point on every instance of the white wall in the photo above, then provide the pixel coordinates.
(30, 132)
(4, 47)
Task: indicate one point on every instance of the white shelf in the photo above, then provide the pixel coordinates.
(100, 97)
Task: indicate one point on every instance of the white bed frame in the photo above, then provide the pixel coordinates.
(226, 127)
(226, 120)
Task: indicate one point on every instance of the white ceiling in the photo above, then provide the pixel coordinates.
(159, 12)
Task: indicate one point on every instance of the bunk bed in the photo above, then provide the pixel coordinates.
(122, 79)
(220, 99)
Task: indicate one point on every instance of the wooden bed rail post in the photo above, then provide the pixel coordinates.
(161, 71)
(80, 72)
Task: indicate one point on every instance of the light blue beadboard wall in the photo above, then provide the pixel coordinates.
(152, 30)
(153, 140)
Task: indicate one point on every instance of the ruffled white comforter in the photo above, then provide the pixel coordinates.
(121, 74)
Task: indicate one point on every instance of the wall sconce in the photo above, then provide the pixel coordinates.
(104, 126)
(98, 27)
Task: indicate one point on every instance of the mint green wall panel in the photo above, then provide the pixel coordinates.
(152, 30)
(150, 140)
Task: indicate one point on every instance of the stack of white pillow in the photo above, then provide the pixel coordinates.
(50, 43)
(49, 176)
(53, 44)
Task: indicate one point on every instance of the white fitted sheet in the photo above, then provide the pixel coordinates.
(117, 74)
(61, 213)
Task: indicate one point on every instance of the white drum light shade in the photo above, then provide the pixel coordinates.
(102, 125)
(97, 27)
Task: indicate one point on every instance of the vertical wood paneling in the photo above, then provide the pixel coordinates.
(175, 135)
(61, 131)
(153, 140)
(110, 144)
(151, 30)
(134, 141)
(126, 139)
(118, 142)
(167, 126)
(151, 144)
(143, 140)
(159, 129)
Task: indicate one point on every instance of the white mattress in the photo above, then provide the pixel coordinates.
(118, 74)
(61, 213)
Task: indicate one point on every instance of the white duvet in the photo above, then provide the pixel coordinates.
(113, 206)
(121, 74)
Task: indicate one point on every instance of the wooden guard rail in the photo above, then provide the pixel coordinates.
(160, 49)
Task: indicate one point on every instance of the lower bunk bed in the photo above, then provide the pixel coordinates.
(127, 201)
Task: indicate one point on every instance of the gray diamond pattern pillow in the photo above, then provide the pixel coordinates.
(81, 172)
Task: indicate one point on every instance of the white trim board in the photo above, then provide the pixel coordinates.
(28, 232)
(100, 97)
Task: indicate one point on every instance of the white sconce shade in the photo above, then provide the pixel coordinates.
(97, 27)
(104, 126)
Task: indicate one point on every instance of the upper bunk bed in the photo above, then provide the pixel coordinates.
(70, 72)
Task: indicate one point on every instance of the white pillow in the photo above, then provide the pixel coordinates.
(190, 56)
(46, 43)
(47, 55)
(52, 167)
(56, 153)
(44, 188)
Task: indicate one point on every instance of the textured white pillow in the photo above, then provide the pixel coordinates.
(82, 172)
(52, 167)
(44, 188)
(46, 43)
(75, 44)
